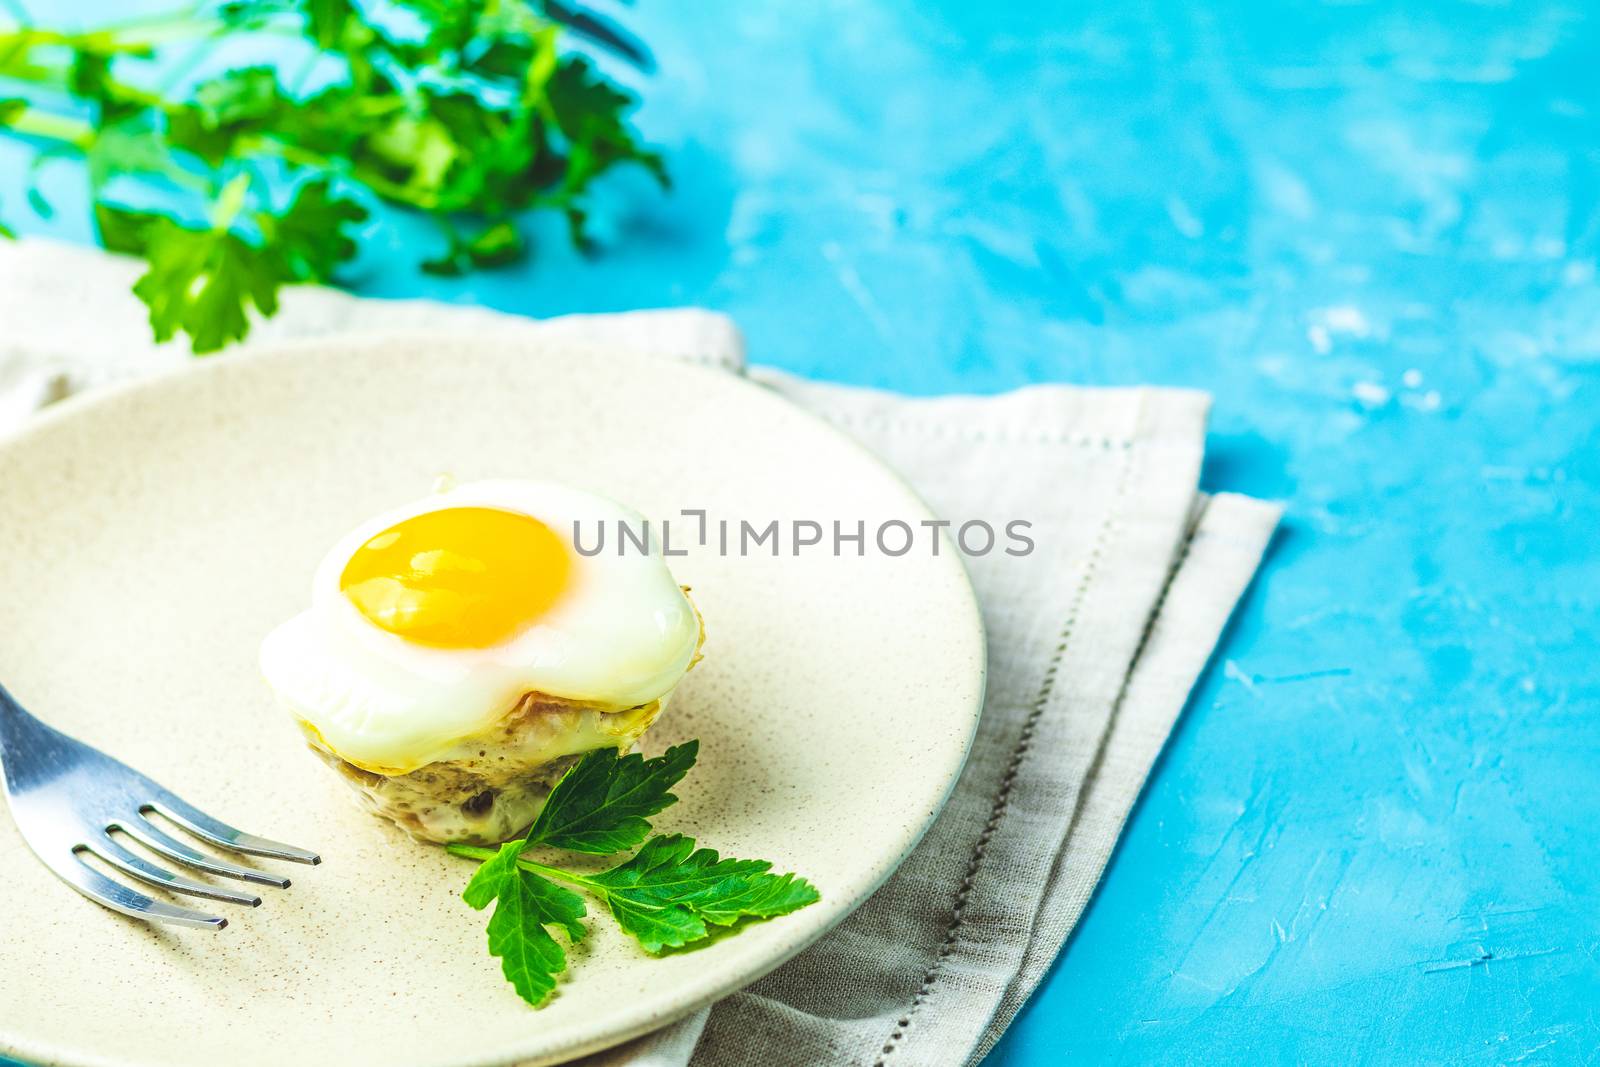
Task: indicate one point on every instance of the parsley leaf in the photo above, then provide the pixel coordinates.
(498, 244)
(491, 876)
(668, 895)
(309, 237)
(205, 280)
(588, 109)
(525, 905)
(224, 109)
(667, 892)
(600, 805)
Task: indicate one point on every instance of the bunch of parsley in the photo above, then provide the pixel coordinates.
(469, 112)
(667, 895)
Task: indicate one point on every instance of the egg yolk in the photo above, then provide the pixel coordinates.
(458, 577)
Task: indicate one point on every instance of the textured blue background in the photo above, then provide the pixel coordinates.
(1371, 231)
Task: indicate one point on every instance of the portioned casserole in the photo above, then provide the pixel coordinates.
(461, 652)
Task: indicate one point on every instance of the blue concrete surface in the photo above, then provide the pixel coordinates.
(1371, 230)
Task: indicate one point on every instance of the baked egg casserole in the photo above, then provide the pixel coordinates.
(460, 653)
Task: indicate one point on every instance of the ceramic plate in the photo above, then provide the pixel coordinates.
(152, 537)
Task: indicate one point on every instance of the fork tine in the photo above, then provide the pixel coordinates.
(145, 832)
(218, 832)
(118, 897)
(66, 798)
(141, 868)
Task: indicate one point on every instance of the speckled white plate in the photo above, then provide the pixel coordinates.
(152, 536)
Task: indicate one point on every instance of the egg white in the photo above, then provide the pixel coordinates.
(621, 634)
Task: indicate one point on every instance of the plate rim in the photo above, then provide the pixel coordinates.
(534, 1050)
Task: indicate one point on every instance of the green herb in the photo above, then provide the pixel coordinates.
(668, 895)
(599, 806)
(525, 904)
(472, 115)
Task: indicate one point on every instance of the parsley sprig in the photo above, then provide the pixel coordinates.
(468, 113)
(668, 895)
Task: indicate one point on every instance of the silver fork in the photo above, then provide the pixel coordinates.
(67, 798)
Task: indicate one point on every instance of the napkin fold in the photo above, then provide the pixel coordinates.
(1095, 639)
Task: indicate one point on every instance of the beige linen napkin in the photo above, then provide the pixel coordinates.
(1094, 642)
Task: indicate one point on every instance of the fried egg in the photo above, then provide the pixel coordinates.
(430, 623)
